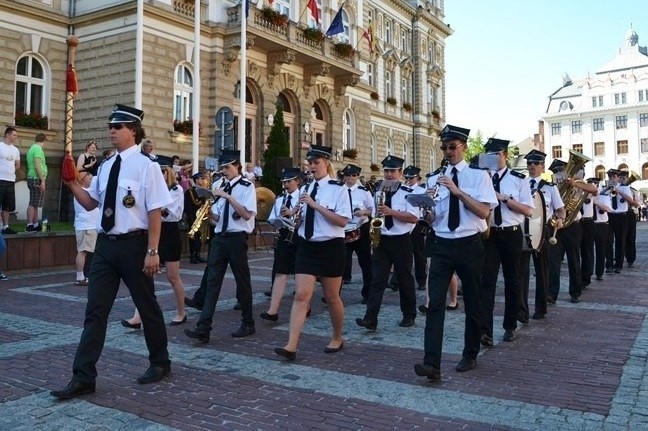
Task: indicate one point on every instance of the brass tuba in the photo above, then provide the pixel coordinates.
(572, 197)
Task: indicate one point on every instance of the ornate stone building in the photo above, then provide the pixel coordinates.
(377, 87)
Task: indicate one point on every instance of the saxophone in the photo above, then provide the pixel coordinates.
(202, 224)
(377, 223)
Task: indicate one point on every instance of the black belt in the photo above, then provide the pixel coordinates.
(230, 234)
(586, 218)
(126, 235)
(505, 228)
(458, 240)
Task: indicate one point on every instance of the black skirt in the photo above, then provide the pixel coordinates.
(285, 253)
(170, 246)
(324, 259)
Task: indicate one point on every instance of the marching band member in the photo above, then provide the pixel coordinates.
(504, 243)
(417, 236)
(587, 239)
(362, 206)
(631, 233)
(192, 203)
(601, 208)
(554, 208)
(465, 196)
(395, 248)
(286, 250)
(234, 211)
(324, 212)
(618, 229)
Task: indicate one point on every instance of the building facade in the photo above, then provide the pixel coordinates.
(376, 87)
(604, 116)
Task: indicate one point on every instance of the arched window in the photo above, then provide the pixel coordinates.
(600, 172)
(644, 171)
(283, 103)
(183, 89)
(623, 167)
(374, 149)
(390, 146)
(348, 136)
(31, 86)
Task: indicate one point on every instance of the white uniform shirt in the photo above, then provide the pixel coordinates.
(176, 208)
(587, 210)
(399, 203)
(622, 204)
(601, 215)
(140, 177)
(8, 156)
(550, 193)
(362, 200)
(331, 195)
(245, 194)
(85, 220)
(474, 182)
(513, 185)
(275, 213)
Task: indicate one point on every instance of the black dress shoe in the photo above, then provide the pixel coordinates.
(487, 340)
(333, 349)
(630, 265)
(509, 335)
(609, 270)
(126, 324)
(423, 309)
(270, 317)
(193, 260)
(154, 374)
(574, 299)
(429, 371)
(406, 322)
(420, 287)
(237, 306)
(452, 307)
(268, 293)
(192, 303)
(551, 300)
(178, 322)
(243, 331)
(291, 356)
(202, 337)
(372, 326)
(599, 277)
(522, 318)
(617, 270)
(466, 364)
(539, 316)
(74, 389)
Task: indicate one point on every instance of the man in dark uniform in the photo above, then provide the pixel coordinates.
(130, 191)
(629, 196)
(618, 224)
(504, 243)
(465, 197)
(587, 238)
(394, 248)
(234, 211)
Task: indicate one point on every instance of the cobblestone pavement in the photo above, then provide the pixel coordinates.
(582, 368)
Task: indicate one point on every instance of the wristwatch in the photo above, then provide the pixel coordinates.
(152, 252)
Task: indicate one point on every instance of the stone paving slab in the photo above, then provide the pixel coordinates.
(582, 368)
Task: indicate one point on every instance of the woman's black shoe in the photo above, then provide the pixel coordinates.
(291, 356)
(452, 307)
(270, 317)
(126, 324)
(423, 309)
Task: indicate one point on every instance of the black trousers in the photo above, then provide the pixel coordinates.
(392, 250)
(616, 240)
(600, 246)
(503, 247)
(195, 245)
(631, 238)
(362, 249)
(417, 237)
(465, 256)
(199, 295)
(569, 239)
(541, 266)
(229, 248)
(587, 250)
(114, 261)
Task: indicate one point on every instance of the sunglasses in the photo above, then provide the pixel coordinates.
(533, 163)
(117, 126)
(352, 175)
(449, 147)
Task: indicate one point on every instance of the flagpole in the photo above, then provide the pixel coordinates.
(195, 140)
(139, 54)
(243, 81)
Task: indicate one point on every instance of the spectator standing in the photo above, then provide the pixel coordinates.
(258, 171)
(85, 227)
(36, 177)
(9, 164)
(87, 162)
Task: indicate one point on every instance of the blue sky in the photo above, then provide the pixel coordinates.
(507, 56)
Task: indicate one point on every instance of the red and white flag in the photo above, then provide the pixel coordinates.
(312, 5)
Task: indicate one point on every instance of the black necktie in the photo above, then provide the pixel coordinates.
(389, 220)
(288, 199)
(310, 215)
(532, 183)
(614, 201)
(350, 201)
(225, 215)
(108, 217)
(594, 212)
(453, 214)
(498, 208)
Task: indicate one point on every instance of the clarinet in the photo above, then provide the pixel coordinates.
(297, 217)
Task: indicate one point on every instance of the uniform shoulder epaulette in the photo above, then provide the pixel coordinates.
(336, 182)
(245, 183)
(518, 174)
(422, 185)
(473, 166)
(362, 188)
(407, 189)
(148, 156)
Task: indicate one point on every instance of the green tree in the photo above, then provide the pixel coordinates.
(278, 146)
(475, 146)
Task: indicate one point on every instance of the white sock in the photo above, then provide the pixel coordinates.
(80, 275)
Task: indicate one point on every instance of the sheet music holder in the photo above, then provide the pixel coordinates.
(420, 200)
(204, 193)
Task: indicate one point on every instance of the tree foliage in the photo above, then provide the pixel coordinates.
(475, 146)
(278, 146)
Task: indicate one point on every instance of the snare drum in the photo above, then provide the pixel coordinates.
(351, 232)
